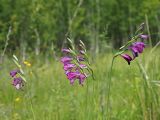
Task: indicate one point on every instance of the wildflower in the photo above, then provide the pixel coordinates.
(144, 36)
(139, 46)
(17, 99)
(127, 58)
(66, 60)
(18, 75)
(17, 83)
(13, 73)
(68, 66)
(66, 50)
(135, 48)
(27, 63)
(72, 76)
(75, 65)
(82, 77)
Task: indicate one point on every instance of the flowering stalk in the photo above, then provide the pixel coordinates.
(135, 47)
(76, 63)
(17, 75)
(19, 79)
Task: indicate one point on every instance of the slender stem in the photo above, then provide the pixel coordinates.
(32, 108)
(6, 44)
(30, 98)
(109, 88)
(148, 30)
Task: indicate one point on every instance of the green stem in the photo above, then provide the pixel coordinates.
(109, 88)
(32, 109)
(30, 98)
(131, 41)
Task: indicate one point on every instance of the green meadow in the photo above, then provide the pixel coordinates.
(48, 95)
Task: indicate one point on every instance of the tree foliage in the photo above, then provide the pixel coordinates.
(42, 23)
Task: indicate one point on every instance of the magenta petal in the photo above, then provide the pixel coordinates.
(144, 37)
(82, 77)
(14, 73)
(127, 58)
(138, 46)
(134, 51)
(17, 83)
(73, 75)
(66, 60)
(66, 50)
(68, 66)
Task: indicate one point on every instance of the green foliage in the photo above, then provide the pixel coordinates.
(55, 20)
(54, 98)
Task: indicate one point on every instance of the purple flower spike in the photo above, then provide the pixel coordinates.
(13, 73)
(127, 58)
(82, 77)
(73, 65)
(144, 36)
(66, 60)
(66, 50)
(17, 83)
(68, 66)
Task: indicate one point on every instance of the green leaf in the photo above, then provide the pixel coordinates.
(18, 65)
(15, 58)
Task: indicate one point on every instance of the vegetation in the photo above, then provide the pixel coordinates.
(36, 31)
(54, 98)
(39, 24)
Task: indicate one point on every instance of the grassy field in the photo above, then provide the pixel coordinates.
(49, 96)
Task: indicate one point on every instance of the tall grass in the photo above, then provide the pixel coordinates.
(133, 95)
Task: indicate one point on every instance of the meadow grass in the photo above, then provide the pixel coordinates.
(49, 96)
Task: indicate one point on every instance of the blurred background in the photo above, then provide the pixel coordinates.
(40, 26)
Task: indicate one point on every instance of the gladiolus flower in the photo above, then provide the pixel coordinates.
(127, 58)
(13, 73)
(72, 76)
(135, 48)
(82, 77)
(66, 60)
(68, 66)
(17, 83)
